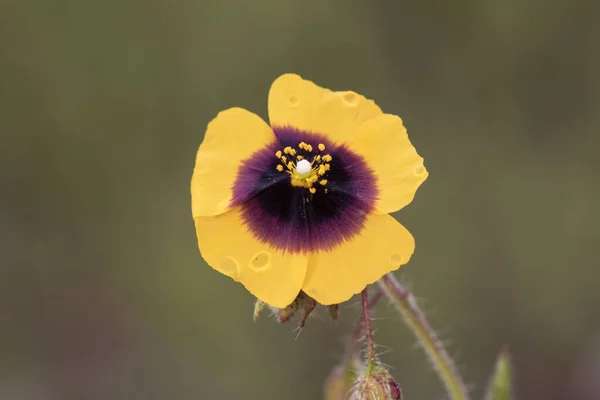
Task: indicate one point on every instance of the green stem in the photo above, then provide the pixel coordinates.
(415, 319)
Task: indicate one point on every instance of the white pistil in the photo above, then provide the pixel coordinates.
(303, 168)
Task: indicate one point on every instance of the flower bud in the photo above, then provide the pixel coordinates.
(376, 384)
(500, 387)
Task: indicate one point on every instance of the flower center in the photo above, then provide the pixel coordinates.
(304, 173)
(303, 169)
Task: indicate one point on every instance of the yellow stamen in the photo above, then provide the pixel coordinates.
(308, 178)
(312, 180)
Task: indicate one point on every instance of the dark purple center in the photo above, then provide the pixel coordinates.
(293, 219)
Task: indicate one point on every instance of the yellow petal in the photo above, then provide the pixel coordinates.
(230, 138)
(306, 106)
(382, 246)
(384, 144)
(269, 274)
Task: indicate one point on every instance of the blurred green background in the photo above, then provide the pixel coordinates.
(103, 294)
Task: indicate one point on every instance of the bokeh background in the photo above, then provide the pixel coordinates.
(103, 294)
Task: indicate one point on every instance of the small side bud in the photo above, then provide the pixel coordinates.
(376, 383)
(500, 387)
(339, 384)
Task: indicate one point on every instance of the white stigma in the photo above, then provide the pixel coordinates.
(303, 167)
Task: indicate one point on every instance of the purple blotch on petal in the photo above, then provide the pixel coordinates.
(291, 218)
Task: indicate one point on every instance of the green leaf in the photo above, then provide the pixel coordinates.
(500, 387)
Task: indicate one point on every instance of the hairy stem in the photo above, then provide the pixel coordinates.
(367, 324)
(415, 319)
(352, 349)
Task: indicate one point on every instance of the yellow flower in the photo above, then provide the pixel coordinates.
(303, 204)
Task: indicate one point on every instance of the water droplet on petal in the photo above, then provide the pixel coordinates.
(350, 99)
(294, 101)
(229, 266)
(261, 260)
(420, 170)
(396, 259)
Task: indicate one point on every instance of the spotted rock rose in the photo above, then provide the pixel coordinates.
(303, 204)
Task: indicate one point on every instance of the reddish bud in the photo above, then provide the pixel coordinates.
(376, 384)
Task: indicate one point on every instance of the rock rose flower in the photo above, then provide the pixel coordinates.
(302, 204)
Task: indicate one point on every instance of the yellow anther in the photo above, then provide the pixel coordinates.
(327, 158)
(278, 154)
(300, 158)
(327, 167)
(312, 190)
(287, 150)
(279, 168)
(318, 158)
(321, 146)
(292, 152)
(302, 145)
(321, 170)
(310, 181)
(308, 147)
(323, 182)
(283, 159)
(290, 165)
